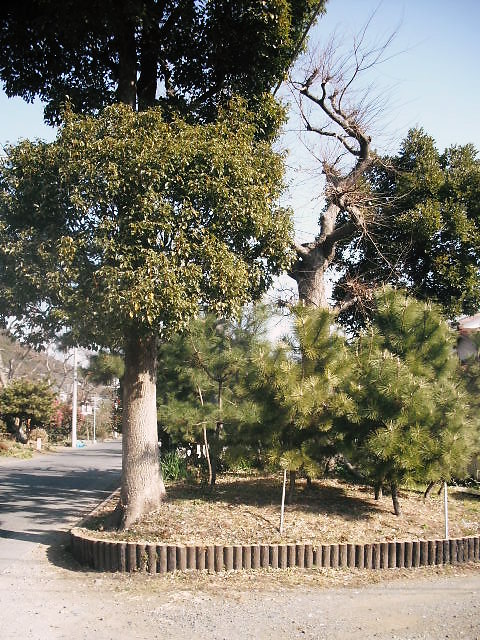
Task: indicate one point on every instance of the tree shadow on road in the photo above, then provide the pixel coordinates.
(40, 506)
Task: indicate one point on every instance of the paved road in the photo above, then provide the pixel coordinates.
(45, 595)
(42, 497)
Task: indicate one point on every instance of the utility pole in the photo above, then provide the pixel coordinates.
(74, 399)
(94, 419)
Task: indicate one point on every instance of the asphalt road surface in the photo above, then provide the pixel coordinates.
(45, 595)
(42, 497)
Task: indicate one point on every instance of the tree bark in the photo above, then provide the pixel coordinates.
(215, 453)
(428, 490)
(142, 484)
(127, 59)
(378, 490)
(396, 503)
(216, 438)
(313, 260)
(308, 271)
(291, 486)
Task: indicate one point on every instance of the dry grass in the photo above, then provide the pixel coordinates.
(11, 449)
(247, 510)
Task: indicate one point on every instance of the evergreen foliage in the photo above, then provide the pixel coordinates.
(427, 236)
(201, 383)
(189, 57)
(126, 223)
(104, 368)
(411, 421)
(26, 404)
(299, 387)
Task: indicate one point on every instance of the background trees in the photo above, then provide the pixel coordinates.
(426, 231)
(25, 405)
(189, 57)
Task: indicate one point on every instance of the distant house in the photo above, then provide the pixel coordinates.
(468, 343)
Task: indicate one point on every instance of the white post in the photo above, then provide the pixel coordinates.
(283, 500)
(94, 419)
(74, 399)
(445, 507)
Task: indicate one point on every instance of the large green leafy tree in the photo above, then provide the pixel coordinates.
(411, 420)
(121, 229)
(25, 405)
(426, 234)
(189, 56)
(299, 389)
(202, 392)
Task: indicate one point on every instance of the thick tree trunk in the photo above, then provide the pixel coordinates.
(378, 490)
(396, 503)
(313, 260)
(142, 485)
(127, 59)
(309, 274)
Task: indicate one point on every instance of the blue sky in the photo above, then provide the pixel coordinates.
(430, 79)
(434, 73)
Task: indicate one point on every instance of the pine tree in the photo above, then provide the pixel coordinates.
(202, 396)
(299, 386)
(411, 421)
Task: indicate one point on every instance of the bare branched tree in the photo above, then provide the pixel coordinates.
(334, 106)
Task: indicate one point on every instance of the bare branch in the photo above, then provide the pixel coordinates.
(331, 106)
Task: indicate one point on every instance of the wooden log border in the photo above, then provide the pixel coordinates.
(113, 556)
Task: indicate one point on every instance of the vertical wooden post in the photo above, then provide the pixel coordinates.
(445, 508)
(228, 557)
(171, 557)
(181, 558)
(237, 556)
(326, 556)
(201, 558)
(360, 556)
(273, 556)
(282, 511)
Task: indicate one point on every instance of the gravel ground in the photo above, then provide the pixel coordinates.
(48, 597)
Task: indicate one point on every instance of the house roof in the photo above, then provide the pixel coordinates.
(469, 325)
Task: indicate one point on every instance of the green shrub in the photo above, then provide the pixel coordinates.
(174, 467)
